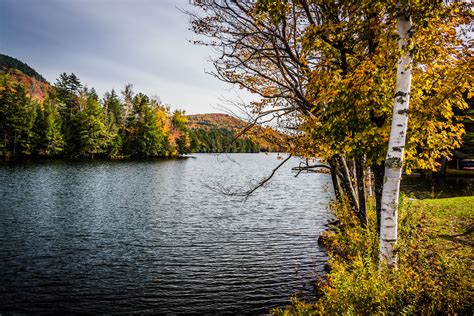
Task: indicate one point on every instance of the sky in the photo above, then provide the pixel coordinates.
(109, 43)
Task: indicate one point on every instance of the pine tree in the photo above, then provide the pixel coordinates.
(67, 89)
(144, 138)
(48, 138)
(114, 108)
(93, 135)
(115, 123)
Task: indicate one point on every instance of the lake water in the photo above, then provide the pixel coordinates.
(152, 237)
(437, 187)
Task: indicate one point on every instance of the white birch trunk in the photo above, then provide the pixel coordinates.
(369, 182)
(396, 146)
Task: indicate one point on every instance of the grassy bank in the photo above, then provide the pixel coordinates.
(434, 275)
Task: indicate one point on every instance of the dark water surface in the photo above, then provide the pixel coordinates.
(437, 187)
(150, 237)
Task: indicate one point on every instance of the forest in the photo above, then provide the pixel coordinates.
(73, 122)
(218, 140)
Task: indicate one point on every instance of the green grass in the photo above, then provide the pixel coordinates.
(449, 225)
(457, 207)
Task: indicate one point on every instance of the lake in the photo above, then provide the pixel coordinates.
(437, 187)
(154, 237)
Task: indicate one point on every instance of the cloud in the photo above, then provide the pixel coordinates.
(109, 43)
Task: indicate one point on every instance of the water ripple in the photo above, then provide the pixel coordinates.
(149, 237)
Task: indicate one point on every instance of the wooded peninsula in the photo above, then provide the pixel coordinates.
(69, 120)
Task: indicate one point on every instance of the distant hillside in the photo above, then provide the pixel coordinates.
(216, 132)
(35, 83)
(8, 63)
(215, 120)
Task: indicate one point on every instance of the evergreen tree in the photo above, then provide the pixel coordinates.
(144, 138)
(115, 122)
(93, 135)
(48, 138)
(67, 90)
(114, 108)
(68, 87)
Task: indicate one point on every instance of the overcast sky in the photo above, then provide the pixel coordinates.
(108, 43)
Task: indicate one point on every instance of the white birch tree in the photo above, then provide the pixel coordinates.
(398, 131)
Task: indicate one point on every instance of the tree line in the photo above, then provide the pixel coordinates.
(220, 140)
(72, 122)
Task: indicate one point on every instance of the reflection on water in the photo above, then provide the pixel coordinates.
(149, 237)
(437, 187)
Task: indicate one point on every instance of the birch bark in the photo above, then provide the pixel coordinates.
(396, 146)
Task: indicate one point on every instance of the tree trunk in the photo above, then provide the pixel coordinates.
(378, 171)
(353, 169)
(335, 179)
(359, 168)
(347, 184)
(396, 146)
(368, 180)
(444, 166)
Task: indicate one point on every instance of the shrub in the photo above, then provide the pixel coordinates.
(430, 278)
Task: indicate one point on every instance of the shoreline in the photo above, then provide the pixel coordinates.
(433, 276)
